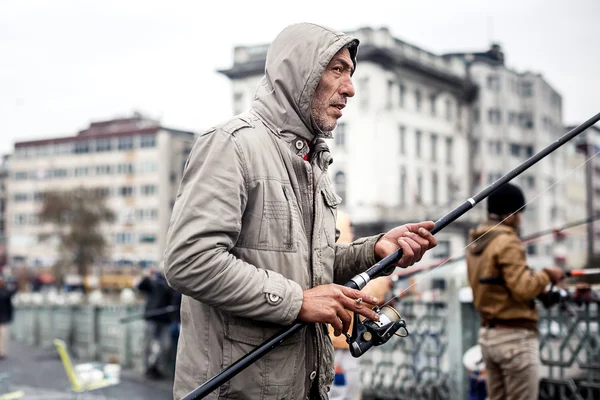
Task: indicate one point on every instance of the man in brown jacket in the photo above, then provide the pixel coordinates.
(506, 301)
(251, 242)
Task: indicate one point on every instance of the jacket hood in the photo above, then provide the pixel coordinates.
(485, 233)
(295, 63)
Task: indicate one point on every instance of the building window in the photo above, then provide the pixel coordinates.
(515, 149)
(402, 186)
(402, 139)
(434, 187)
(103, 145)
(340, 185)
(148, 190)
(419, 198)
(418, 136)
(82, 147)
(442, 250)
(124, 238)
(527, 89)
(60, 173)
(82, 171)
(476, 115)
(238, 102)
(528, 151)
(340, 135)
(433, 147)
(147, 238)
(148, 166)
(418, 100)
(390, 94)
(432, 101)
(449, 150)
(126, 191)
(495, 147)
(494, 116)
(125, 169)
(104, 169)
(448, 110)
(147, 141)
(493, 83)
(126, 143)
(19, 197)
(20, 176)
(526, 120)
(402, 94)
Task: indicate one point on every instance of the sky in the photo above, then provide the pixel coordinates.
(65, 63)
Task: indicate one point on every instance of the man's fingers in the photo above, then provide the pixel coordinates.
(428, 225)
(354, 295)
(346, 319)
(407, 253)
(431, 240)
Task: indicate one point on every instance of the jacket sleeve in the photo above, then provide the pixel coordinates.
(523, 282)
(353, 258)
(204, 227)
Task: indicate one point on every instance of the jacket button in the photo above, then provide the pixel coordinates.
(313, 375)
(274, 298)
(299, 144)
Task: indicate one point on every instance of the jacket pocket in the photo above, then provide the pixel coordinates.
(270, 377)
(280, 223)
(331, 201)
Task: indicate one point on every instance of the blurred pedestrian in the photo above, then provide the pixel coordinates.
(157, 336)
(7, 291)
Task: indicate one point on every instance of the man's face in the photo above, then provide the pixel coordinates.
(333, 90)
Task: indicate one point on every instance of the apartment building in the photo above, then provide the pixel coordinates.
(515, 115)
(135, 161)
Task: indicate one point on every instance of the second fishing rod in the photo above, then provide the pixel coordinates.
(375, 333)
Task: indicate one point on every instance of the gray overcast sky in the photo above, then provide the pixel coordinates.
(64, 63)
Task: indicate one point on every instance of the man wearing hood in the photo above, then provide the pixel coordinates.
(504, 292)
(251, 243)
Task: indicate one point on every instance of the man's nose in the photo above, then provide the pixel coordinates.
(347, 87)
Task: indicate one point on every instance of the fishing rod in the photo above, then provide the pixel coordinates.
(153, 313)
(551, 297)
(525, 239)
(371, 333)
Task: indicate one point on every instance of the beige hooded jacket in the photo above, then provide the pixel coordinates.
(253, 226)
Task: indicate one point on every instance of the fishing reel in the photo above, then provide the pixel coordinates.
(367, 333)
(553, 297)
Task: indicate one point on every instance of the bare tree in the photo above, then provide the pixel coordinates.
(76, 217)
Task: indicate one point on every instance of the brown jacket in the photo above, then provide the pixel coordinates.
(499, 253)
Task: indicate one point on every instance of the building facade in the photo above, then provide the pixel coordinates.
(584, 190)
(135, 162)
(515, 115)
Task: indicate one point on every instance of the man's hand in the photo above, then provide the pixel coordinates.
(328, 304)
(555, 274)
(413, 239)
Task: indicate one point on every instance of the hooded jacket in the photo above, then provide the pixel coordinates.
(499, 253)
(253, 226)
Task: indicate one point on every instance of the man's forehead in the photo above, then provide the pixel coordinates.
(343, 56)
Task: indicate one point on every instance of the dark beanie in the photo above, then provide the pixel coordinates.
(507, 199)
